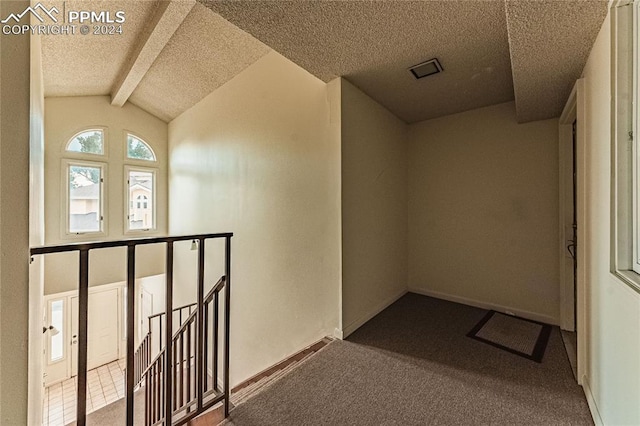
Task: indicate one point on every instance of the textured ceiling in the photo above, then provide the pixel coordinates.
(84, 65)
(372, 44)
(491, 51)
(550, 43)
(203, 54)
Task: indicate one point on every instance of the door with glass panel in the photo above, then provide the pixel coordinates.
(55, 334)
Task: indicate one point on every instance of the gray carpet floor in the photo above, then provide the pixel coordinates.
(413, 365)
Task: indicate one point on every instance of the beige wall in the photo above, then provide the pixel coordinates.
(64, 118)
(483, 211)
(613, 351)
(14, 221)
(36, 231)
(259, 157)
(374, 208)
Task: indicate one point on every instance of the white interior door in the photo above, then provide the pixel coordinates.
(102, 325)
(146, 310)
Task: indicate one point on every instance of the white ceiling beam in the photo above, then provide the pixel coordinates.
(168, 16)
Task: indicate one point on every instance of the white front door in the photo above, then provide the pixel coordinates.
(102, 325)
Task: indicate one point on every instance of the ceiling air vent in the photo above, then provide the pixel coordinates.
(425, 69)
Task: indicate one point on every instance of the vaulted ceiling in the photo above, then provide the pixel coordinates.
(173, 54)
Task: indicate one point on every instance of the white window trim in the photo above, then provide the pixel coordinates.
(67, 234)
(142, 162)
(635, 263)
(154, 199)
(625, 241)
(87, 155)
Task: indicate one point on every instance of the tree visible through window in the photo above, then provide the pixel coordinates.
(89, 141)
(137, 149)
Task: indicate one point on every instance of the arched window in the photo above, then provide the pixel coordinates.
(85, 181)
(137, 149)
(88, 141)
(143, 201)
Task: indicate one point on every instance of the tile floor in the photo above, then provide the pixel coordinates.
(104, 385)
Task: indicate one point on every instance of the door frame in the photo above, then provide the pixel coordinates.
(67, 296)
(575, 109)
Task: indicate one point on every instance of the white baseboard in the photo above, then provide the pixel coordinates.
(592, 402)
(338, 334)
(346, 331)
(487, 305)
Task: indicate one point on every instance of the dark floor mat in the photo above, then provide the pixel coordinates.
(516, 335)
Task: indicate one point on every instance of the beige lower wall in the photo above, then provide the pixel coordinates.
(260, 157)
(374, 207)
(483, 211)
(613, 309)
(14, 221)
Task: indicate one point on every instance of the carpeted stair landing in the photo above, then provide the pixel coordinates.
(413, 365)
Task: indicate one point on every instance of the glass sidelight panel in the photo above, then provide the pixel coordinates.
(56, 331)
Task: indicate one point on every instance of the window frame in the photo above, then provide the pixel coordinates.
(67, 163)
(88, 155)
(635, 152)
(625, 149)
(141, 161)
(128, 200)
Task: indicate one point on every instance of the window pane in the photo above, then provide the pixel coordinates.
(139, 149)
(57, 333)
(90, 142)
(84, 199)
(141, 202)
